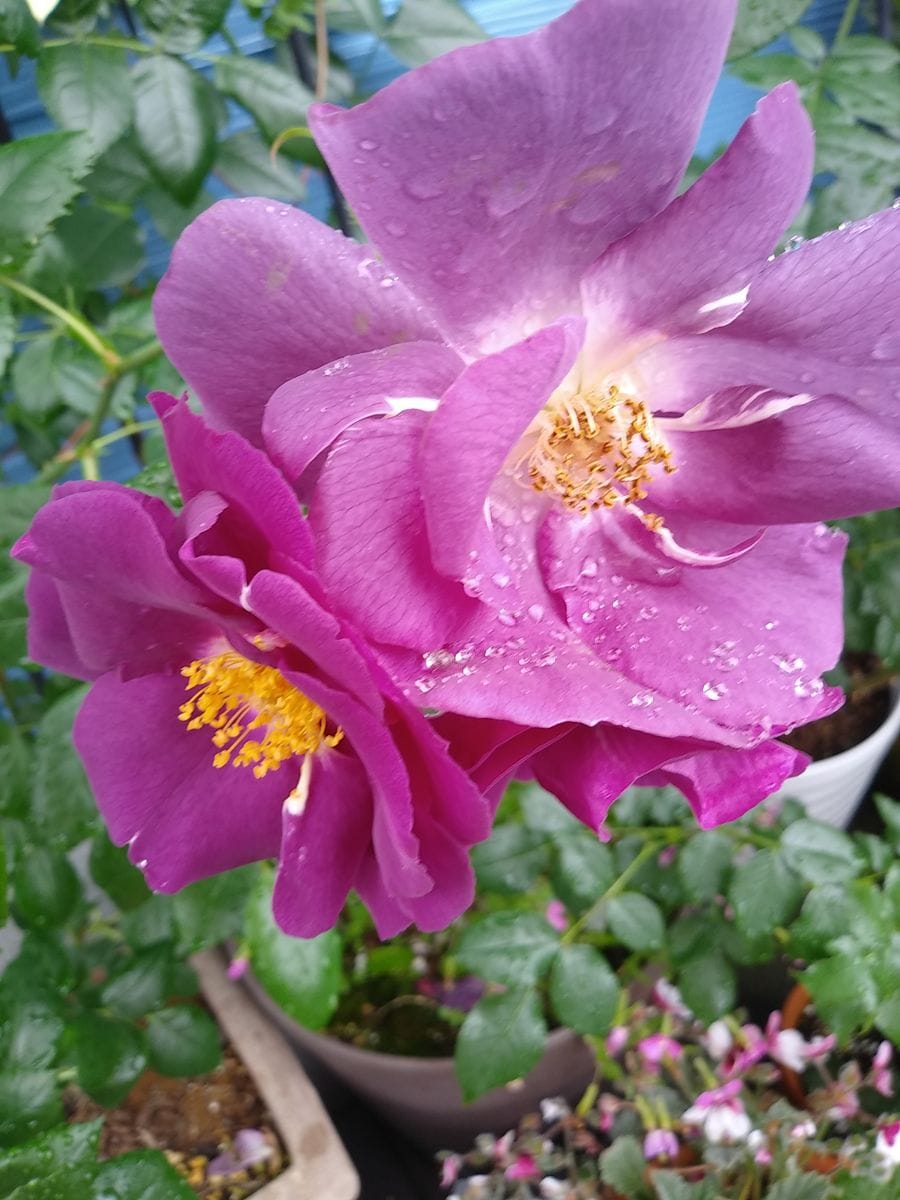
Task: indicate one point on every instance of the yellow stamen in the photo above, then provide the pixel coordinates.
(233, 696)
(594, 451)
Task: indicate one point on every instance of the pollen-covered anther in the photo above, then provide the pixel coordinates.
(234, 697)
(594, 451)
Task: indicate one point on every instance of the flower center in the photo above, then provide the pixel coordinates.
(234, 696)
(595, 450)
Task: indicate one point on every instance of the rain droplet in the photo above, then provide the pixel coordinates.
(714, 691)
(647, 612)
(494, 652)
(501, 579)
(641, 700)
(589, 568)
(535, 611)
(425, 684)
(437, 658)
(506, 618)
(368, 144)
(788, 663)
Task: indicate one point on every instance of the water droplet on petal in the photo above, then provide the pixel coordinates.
(437, 658)
(535, 611)
(714, 691)
(425, 684)
(501, 579)
(589, 568)
(506, 617)
(368, 144)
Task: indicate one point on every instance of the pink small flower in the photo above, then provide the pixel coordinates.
(667, 856)
(607, 1107)
(756, 1141)
(450, 1170)
(524, 1167)
(660, 1143)
(616, 1040)
(803, 1130)
(656, 1048)
(844, 1101)
(237, 968)
(720, 1114)
(555, 912)
(887, 1144)
(882, 1080)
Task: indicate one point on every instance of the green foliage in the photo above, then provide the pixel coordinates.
(584, 990)
(39, 177)
(183, 1040)
(501, 1039)
(302, 975)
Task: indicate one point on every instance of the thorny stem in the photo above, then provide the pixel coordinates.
(618, 885)
(85, 333)
(843, 30)
(88, 441)
(321, 51)
(310, 78)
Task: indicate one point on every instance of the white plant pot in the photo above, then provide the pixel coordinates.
(831, 789)
(319, 1168)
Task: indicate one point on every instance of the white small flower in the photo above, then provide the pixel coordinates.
(554, 1109)
(805, 1129)
(718, 1040)
(554, 1189)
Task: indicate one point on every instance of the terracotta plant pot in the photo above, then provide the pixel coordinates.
(421, 1096)
(319, 1168)
(831, 789)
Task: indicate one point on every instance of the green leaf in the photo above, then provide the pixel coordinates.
(766, 71)
(41, 968)
(46, 889)
(120, 175)
(844, 993)
(501, 1039)
(543, 812)
(140, 1175)
(636, 921)
(887, 1017)
(825, 915)
(109, 1057)
(141, 985)
(764, 893)
(508, 947)
(13, 620)
(102, 249)
(889, 811)
(511, 860)
(820, 853)
(18, 26)
(175, 120)
(622, 1167)
(66, 1148)
(670, 1186)
(246, 166)
(708, 986)
(111, 870)
(20, 502)
(211, 911)
(703, 865)
(150, 923)
(29, 1035)
(862, 76)
(303, 975)
(583, 989)
(276, 100)
(53, 370)
(29, 1103)
(62, 804)
(39, 176)
(179, 27)
(423, 29)
(87, 88)
(583, 870)
(807, 1186)
(183, 1040)
(761, 21)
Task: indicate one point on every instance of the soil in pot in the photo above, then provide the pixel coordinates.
(864, 711)
(193, 1121)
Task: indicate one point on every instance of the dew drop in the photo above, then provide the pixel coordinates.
(535, 611)
(589, 568)
(368, 144)
(714, 691)
(501, 579)
(425, 684)
(437, 658)
(506, 618)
